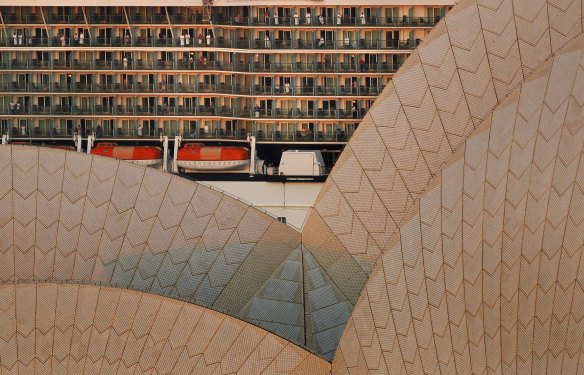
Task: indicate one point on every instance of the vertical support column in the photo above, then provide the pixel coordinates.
(90, 140)
(78, 142)
(177, 142)
(46, 26)
(128, 22)
(164, 140)
(86, 24)
(252, 162)
(169, 23)
(4, 26)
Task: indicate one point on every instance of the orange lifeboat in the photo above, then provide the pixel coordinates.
(197, 156)
(146, 155)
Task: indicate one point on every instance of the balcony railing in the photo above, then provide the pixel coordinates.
(79, 65)
(269, 135)
(220, 19)
(219, 42)
(198, 111)
(220, 88)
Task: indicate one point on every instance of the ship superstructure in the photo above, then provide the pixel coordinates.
(287, 74)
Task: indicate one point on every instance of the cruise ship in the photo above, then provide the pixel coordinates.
(210, 80)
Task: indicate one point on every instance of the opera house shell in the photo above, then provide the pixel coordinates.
(447, 239)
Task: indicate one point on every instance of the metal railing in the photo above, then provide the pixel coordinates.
(219, 88)
(139, 64)
(221, 19)
(194, 111)
(219, 42)
(271, 135)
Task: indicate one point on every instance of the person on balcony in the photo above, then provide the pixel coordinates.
(321, 42)
(363, 20)
(267, 41)
(14, 39)
(140, 129)
(339, 19)
(181, 39)
(81, 38)
(321, 19)
(296, 20)
(200, 39)
(76, 38)
(125, 63)
(276, 20)
(63, 40)
(209, 38)
(308, 18)
(187, 39)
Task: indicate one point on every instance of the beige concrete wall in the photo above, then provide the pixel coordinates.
(86, 329)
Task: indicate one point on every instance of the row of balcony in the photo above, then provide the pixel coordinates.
(178, 88)
(219, 19)
(219, 42)
(194, 111)
(196, 65)
(270, 135)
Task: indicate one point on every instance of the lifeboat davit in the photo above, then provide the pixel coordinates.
(145, 155)
(197, 156)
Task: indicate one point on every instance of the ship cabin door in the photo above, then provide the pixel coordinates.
(107, 104)
(192, 129)
(189, 104)
(44, 102)
(149, 127)
(328, 15)
(372, 85)
(63, 13)
(66, 103)
(148, 104)
(4, 126)
(104, 36)
(107, 128)
(69, 125)
(266, 107)
(329, 108)
(283, 14)
(308, 85)
(43, 58)
(329, 38)
(349, 15)
(86, 126)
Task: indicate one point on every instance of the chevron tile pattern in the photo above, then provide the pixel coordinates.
(449, 228)
(467, 66)
(485, 274)
(71, 217)
(50, 328)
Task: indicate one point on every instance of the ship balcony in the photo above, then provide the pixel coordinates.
(220, 88)
(257, 67)
(335, 133)
(219, 42)
(185, 111)
(220, 19)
